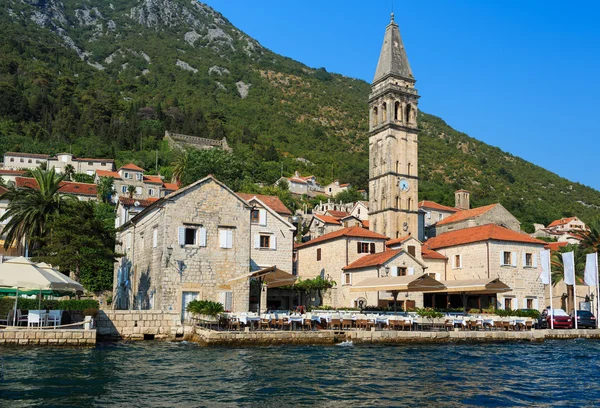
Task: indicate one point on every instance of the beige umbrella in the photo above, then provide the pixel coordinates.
(72, 284)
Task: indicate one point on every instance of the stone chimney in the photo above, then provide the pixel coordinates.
(462, 199)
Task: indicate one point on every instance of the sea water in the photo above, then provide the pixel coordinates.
(160, 374)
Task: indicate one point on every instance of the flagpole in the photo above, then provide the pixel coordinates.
(597, 289)
(551, 307)
(575, 300)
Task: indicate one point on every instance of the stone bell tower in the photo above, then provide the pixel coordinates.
(393, 143)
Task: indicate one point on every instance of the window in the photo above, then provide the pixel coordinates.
(428, 215)
(254, 216)
(384, 112)
(12, 159)
(90, 163)
(347, 280)
(397, 111)
(375, 114)
(362, 247)
(190, 236)
(29, 161)
(22, 160)
(440, 217)
(508, 303)
(154, 237)
(265, 241)
(226, 238)
(411, 250)
(318, 254)
(457, 262)
(401, 271)
(103, 164)
(37, 161)
(530, 304)
(123, 189)
(258, 216)
(151, 191)
(528, 260)
(138, 176)
(397, 202)
(508, 258)
(128, 242)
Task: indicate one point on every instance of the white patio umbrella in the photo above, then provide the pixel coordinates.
(72, 284)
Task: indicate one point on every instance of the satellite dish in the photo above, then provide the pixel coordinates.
(136, 203)
(361, 302)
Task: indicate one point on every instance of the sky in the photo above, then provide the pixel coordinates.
(520, 75)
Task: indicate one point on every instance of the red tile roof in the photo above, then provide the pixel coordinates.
(170, 186)
(396, 241)
(273, 202)
(12, 172)
(153, 179)
(142, 202)
(365, 224)
(337, 214)
(131, 166)
(562, 221)
(66, 187)
(297, 180)
(93, 160)
(466, 214)
(373, 259)
(477, 234)
(353, 232)
(327, 219)
(435, 206)
(554, 246)
(344, 185)
(34, 155)
(431, 254)
(108, 173)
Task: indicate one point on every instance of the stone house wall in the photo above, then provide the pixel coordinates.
(497, 215)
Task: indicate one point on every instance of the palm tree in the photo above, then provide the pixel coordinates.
(69, 172)
(591, 236)
(105, 188)
(558, 268)
(180, 167)
(30, 208)
(131, 190)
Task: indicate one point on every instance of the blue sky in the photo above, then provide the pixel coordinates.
(520, 75)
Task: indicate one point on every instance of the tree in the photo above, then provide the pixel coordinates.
(69, 172)
(29, 209)
(131, 190)
(106, 187)
(349, 195)
(82, 243)
(591, 237)
(558, 268)
(180, 166)
(221, 164)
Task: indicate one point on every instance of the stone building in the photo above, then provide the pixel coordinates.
(9, 176)
(570, 224)
(19, 161)
(83, 191)
(335, 187)
(127, 208)
(179, 141)
(321, 224)
(393, 142)
(491, 252)
(489, 214)
(23, 161)
(187, 245)
(360, 210)
(302, 185)
(434, 213)
(146, 186)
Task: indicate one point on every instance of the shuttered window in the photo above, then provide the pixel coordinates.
(318, 254)
(226, 238)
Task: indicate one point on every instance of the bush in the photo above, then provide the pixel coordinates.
(7, 304)
(205, 307)
(429, 313)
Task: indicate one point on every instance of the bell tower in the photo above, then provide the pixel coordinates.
(393, 143)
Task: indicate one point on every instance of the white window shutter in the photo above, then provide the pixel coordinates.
(181, 236)
(513, 258)
(229, 238)
(395, 271)
(515, 304)
(154, 237)
(501, 257)
(524, 259)
(273, 242)
(500, 303)
(202, 233)
(461, 262)
(128, 240)
(222, 239)
(535, 256)
(411, 270)
(536, 304)
(262, 217)
(256, 241)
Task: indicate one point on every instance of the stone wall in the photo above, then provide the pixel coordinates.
(134, 324)
(50, 337)
(497, 215)
(281, 254)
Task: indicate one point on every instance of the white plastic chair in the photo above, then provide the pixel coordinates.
(33, 317)
(54, 317)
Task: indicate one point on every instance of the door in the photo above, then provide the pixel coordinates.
(186, 297)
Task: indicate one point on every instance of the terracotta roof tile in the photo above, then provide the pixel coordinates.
(354, 232)
(562, 221)
(435, 206)
(297, 180)
(273, 202)
(327, 219)
(153, 180)
(396, 241)
(477, 234)
(554, 246)
(170, 186)
(93, 160)
(12, 172)
(337, 214)
(66, 187)
(142, 202)
(466, 214)
(365, 224)
(373, 259)
(431, 254)
(131, 166)
(34, 155)
(108, 173)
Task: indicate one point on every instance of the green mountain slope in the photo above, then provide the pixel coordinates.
(107, 78)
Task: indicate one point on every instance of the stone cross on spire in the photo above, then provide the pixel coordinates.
(393, 59)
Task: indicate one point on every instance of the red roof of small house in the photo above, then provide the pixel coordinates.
(466, 214)
(353, 232)
(365, 224)
(170, 186)
(370, 260)
(327, 219)
(344, 185)
(108, 173)
(337, 214)
(273, 202)
(143, 202)
(555, 246)
(8, 172)
(66, 187)
(93, 160)
(397, 241)
(33, 155)
(297, 180)
(489, 232)
(131, 166)
(562, 221)
(153, 180)
(431, 254)
(435, 206)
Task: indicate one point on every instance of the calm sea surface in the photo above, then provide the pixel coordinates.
(156, 374)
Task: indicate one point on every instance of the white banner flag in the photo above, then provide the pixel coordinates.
(569, 264)
(591, 270)
(545, 259)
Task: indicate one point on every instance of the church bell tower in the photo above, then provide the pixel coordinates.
(393, 143)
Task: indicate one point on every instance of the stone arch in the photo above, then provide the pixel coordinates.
(375, 116)
(397, 202)
(409, 169)
(397, 111)
(407, 112)
(384, 112)
(397, 166)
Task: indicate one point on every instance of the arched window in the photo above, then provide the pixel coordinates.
(384, 113)
(375, 122)
(409, 204)
(407, 113)
(397, 111)
(397, 166)
(408, 169)
(397, 202)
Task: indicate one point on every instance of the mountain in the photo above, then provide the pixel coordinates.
(107, 79)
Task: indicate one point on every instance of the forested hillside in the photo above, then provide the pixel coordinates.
(106, 79)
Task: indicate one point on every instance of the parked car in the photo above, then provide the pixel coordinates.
(585, 319)
(561, 320)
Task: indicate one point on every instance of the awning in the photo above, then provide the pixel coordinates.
(271, 276)
(411, 283)
(475, 286)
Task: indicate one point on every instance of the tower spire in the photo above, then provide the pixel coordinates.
(393, 59)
